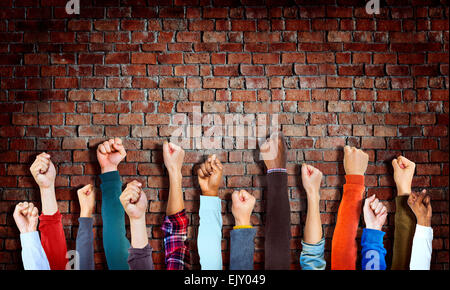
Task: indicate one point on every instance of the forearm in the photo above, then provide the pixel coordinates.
(176, 202)
(405, 223)
(422, 248)
(53, 240)
(343, 246)
(209, 241)
(242, 248)
(373, 252)
(85, 243)
(48, 200)
(313, 226)
(115, 242)
(33, 255)
(278, 223)
(139, 236)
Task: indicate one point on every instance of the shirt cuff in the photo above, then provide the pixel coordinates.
(110, 176)
(277, 170)
(30, 240)
(372, 236)
(242, 227)
(313, 248)
(424, 232)
(86, 221)
(210, 203)
(354, 179)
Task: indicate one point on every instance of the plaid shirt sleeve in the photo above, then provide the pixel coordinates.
(175, 244)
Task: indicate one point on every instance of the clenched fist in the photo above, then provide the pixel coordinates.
(26, 217)
(375, 213)
(134, 200)
(210, 176)
(355, 161)
(173, 157)
(403, 174)
(43, 171)
(110, 153)
(311, 179)
(86, 197)
(420, 204)
(243, 204)
(274, 151)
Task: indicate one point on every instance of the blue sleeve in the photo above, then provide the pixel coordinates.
(115, 242)
(209, 241)
(33, 255)
(373, 251)
(85, 243)
(242, 248)
(312, 256)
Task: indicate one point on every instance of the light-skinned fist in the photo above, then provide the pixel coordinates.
(375, 213)
(403, 174)
(311, 179)
(86, 197)
(26, 216)
(110, 153)
(420, 204)
(210, 176)
(243, 204)
(274, 151)
(173, 157)
(134, 200)
(43, 171)
(355, 161)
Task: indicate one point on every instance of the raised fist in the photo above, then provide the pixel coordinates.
(375, 213)
(355, 161)
(110, 153)
(403, 174)
(210, 176)
(274, 151)
(134, 200)
(420, 204)
(43, 171)
(243, 204)
(311, 179)
(173, 157)
(86, 197)
(26, 217)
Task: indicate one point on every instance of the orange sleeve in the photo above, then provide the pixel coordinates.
(343, 245)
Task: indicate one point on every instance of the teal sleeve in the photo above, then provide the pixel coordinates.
(115, 242)
(209, 240)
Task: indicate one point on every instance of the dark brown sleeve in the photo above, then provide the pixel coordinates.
(405, 225)
(278, 223)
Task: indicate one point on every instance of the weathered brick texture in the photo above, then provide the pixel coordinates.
(333, 73)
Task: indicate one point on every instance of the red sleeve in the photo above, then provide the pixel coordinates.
(53, 240)
(343, 246)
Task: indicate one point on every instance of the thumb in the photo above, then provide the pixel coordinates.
(304, 170)
(395, 164)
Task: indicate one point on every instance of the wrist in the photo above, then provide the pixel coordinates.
(27, 230)
(109, 168)
(137, 221)
(403, 190)
(86, 213)
(426, 222)
(47, 190)
(210, 192)
(243, 222)
(374, 227)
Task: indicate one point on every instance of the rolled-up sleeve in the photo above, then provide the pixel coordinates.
(312, 256)
(175, 244)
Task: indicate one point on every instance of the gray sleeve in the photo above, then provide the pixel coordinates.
(85, 243)
(140, 259)
(242, 248)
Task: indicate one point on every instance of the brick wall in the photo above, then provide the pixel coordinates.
(334, 74)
